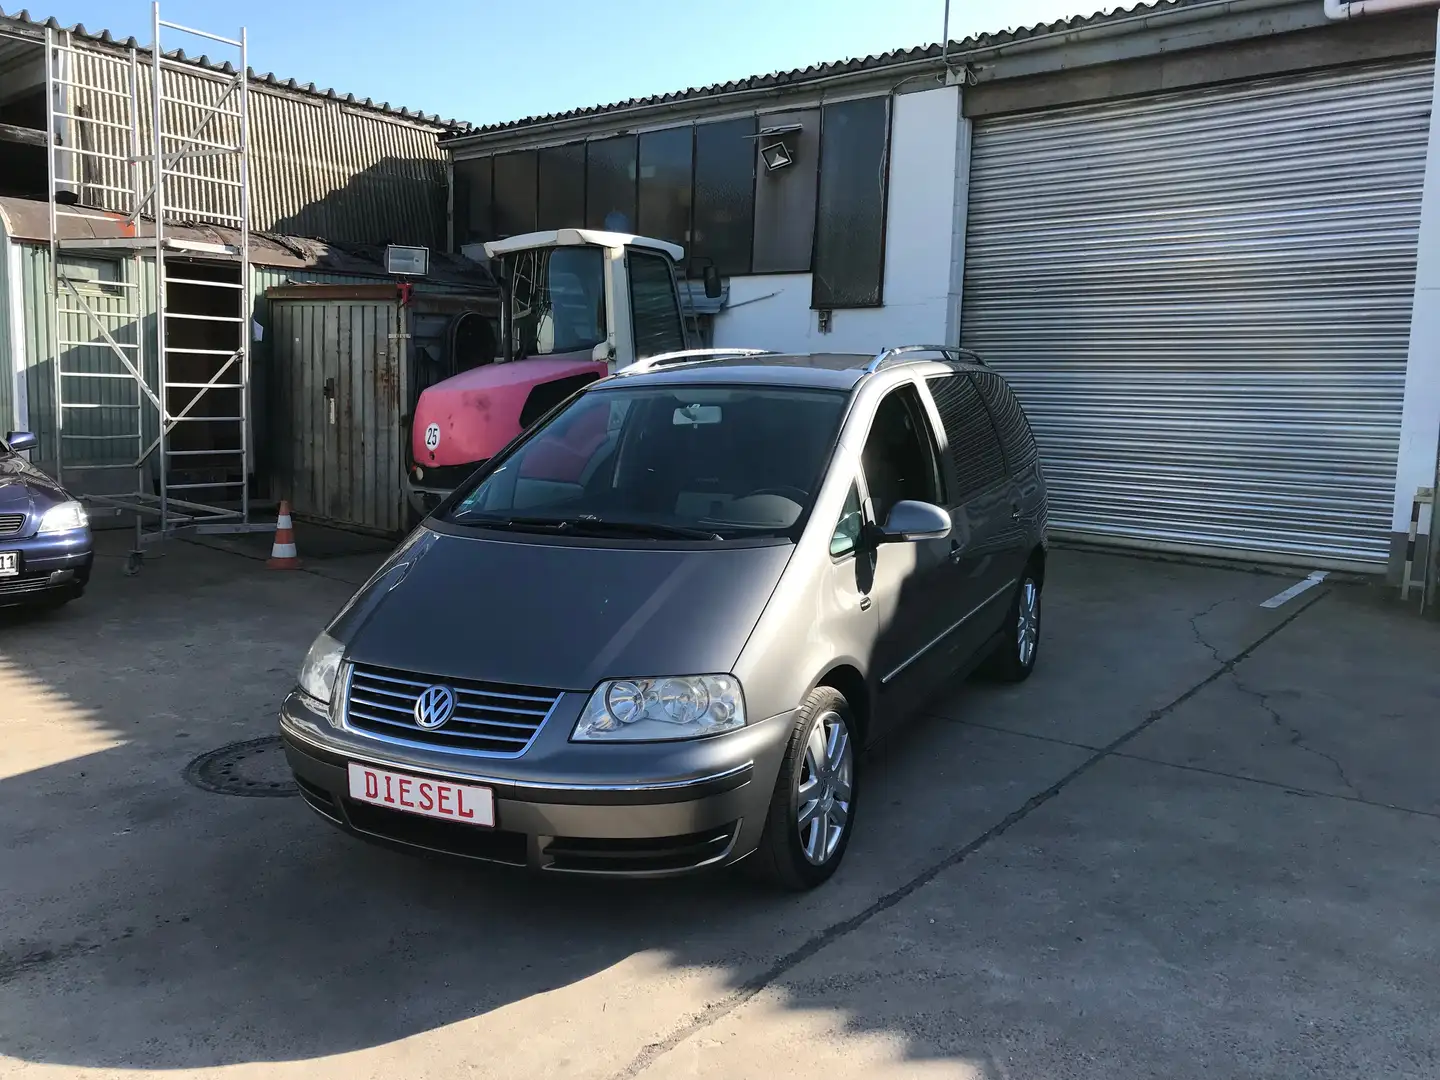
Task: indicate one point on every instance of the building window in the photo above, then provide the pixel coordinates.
(849, 267)
(656, 318)
(560, 181)
(785, 197)
(473, 221)
(666, 183)
(724, 194)
(610, 184)
(514, 193)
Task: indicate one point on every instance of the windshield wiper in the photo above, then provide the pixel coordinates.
(586, 524)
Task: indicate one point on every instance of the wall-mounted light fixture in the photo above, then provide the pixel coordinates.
(778, 145)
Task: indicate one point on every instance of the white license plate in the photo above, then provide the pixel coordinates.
(9, 563)
(465, 803)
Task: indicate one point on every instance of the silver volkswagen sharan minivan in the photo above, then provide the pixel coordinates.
(655, 633)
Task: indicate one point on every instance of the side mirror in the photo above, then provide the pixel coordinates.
(911, 521)
(21, 440)
(712, 281)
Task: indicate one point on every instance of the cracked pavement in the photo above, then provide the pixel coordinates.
(1204, 840)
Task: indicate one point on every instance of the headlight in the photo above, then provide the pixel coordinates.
(66, 517)
(322, 664)
(683, 707)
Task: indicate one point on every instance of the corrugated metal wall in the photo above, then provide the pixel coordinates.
(37, 364)
(317, 167)
(1204, 302)
(9, 364)
(341, 455)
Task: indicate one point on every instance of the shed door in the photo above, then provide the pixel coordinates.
(1203, 300)
(337, 363)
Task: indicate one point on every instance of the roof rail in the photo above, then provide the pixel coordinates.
(685, 356)
(900, 354)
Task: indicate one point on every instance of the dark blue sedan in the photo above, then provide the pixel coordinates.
(45, 544)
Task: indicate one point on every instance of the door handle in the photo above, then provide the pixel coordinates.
(1015, 512)
(330, 400)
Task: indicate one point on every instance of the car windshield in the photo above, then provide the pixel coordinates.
(683, 462)
(557, 301)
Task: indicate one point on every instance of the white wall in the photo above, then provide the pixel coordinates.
(927, 196)
(1420, 421)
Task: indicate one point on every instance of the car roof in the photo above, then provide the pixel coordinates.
(828, 370)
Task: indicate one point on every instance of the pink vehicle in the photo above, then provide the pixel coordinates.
(577, 305)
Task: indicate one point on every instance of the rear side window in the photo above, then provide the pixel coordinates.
(653, 305)
(1014, 428)
(974, 445)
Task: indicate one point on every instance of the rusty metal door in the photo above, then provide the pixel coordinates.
(338, 366)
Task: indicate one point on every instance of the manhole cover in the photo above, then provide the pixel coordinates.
(256, 768)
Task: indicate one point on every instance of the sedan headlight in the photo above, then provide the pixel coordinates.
(322, 664)
(643, 710)
(64, 517)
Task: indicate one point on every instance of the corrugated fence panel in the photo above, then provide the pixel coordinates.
(106, 413)
(317, 167)
(1203, 300)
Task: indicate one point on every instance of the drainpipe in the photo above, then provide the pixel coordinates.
(1353, 9)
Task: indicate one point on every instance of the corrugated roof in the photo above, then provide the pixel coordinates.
(800, 76)
(29, 220)
(104, 37)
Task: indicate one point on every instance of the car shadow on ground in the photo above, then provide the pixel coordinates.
(153, 925)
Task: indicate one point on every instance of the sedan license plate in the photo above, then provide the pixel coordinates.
(465, 803)
(9, 563)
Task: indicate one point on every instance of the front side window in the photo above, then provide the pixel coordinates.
(698, 462)
(654, 307)
(557, 301)
(899, 454)
(847, 530)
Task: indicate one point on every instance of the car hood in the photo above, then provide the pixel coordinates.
(25, 489)
(558, 615)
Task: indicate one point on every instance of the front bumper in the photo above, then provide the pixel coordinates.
(51, 565)
(700, 805)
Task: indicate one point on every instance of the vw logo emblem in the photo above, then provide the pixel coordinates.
(434, 706)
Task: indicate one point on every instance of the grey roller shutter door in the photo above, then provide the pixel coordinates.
(1203, 300)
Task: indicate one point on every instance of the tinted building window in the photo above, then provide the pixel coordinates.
(666, 180)
(974, 446)
(561, 185)
(656, 317)
(724, 194)
(610, 184)
(785, 197)
(473, 221)
(850, 234)
(514, 193)
(1014, 428)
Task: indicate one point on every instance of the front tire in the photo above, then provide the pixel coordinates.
(812, 810)
(1014, 657)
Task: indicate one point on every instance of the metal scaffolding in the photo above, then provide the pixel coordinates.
(131, 158)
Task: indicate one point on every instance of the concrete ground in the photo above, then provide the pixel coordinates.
(1201, 842)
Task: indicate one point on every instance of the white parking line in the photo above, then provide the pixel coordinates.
(1295, 590)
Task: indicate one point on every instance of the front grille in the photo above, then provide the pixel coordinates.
(23, 585)
(490, 719)
(10, 524)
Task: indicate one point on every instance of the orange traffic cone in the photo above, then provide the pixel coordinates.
(283, 555)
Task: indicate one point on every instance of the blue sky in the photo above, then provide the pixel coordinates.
(487, 60)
